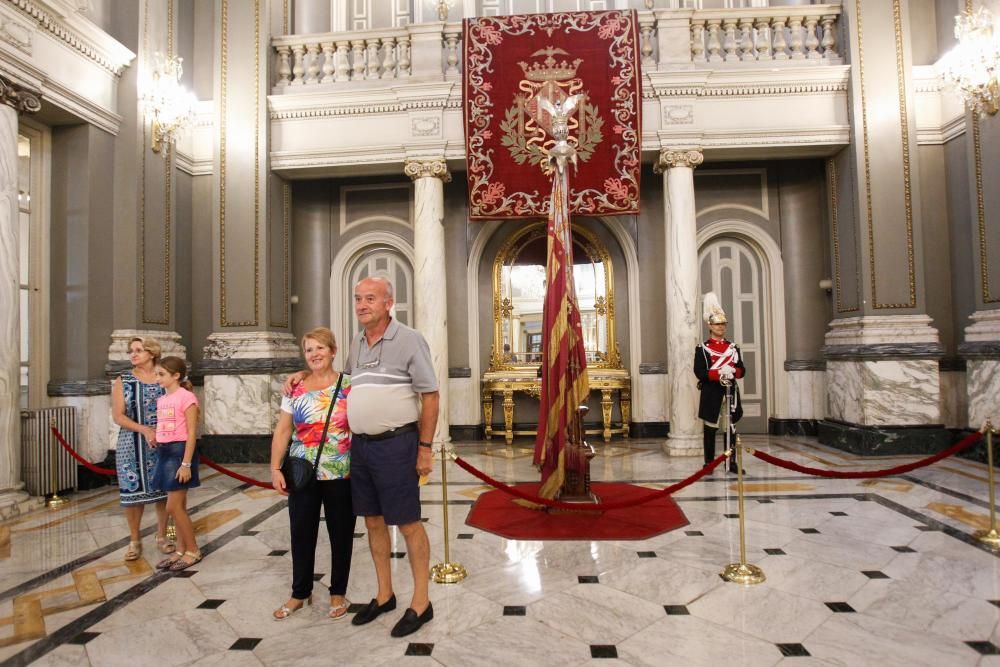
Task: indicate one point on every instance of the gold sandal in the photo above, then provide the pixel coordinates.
(339, 611)
(134, 551)
(183, 564)
(284, 611)
(164, 545)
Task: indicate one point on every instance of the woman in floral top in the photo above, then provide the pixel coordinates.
(303, 415)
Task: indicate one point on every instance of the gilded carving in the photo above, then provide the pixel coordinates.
(831, 170)
(22, 100)
(984, 264)
(672, 159)
(427, 169)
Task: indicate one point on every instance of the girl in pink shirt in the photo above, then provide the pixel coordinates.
(177, 466)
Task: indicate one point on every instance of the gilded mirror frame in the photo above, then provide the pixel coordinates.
(595, 251)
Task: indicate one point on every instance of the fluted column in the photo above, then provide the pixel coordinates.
(13, 100)
(677, 167)
(430, 288)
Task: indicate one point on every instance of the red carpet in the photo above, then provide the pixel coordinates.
(497, 513)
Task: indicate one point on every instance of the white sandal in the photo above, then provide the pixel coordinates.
(284, 611)
(134, 551)
(335, 610)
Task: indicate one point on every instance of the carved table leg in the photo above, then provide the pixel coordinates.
(488, 412)
(508, 415)
(626, 405)
(606, 413)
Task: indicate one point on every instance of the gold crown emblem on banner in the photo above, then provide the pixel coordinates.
(549, 69)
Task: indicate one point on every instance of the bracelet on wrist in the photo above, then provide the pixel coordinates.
(427, 445)
(185, 464)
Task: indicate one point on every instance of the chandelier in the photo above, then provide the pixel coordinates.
(973, 65)
(168, 105)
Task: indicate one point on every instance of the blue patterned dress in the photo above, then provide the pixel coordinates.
(135, 458)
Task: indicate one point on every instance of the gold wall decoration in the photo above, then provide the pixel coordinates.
(833, 187)
(286, 214)
(984, 264)
(224, 320)
(907, 190)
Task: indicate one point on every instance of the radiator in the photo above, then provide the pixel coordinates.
(39, 445)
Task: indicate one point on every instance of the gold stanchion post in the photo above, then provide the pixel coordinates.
(55, 500)
(742, 572)
(991, 536)
(446, 572)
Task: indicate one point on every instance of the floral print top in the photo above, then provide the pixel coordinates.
(308, 410)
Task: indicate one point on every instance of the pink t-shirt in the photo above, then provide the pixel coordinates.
(171, 424)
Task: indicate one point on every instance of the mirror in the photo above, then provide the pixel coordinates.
(519, 294)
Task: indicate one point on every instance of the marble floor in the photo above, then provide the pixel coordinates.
(880, 572)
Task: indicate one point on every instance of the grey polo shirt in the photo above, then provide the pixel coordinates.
(387, 379)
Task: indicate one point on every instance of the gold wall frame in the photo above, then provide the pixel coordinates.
(586, 244)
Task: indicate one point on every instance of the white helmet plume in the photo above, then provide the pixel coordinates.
(712, 309)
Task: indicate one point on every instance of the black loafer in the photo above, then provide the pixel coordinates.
(373, 610)
(410, 622)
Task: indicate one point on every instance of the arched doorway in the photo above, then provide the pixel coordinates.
(729, 267)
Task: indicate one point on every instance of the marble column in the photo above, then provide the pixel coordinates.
(683, 321)
(430, 288)
(13, 100)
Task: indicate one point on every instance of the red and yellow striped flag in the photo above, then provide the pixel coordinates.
(564, 360)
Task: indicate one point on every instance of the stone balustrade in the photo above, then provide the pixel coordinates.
(805, 34)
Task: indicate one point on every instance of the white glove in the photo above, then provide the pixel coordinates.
(726, 374)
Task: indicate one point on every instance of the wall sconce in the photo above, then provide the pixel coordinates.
(973, 65)
(168, 106)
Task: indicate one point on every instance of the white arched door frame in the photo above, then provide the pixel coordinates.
(341, 309)
(769, 255)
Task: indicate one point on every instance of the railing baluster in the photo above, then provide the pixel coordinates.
(795, 30)
(451, 41)
(299, 51)
(780, 45)
(746, 42)
(730, 40)
(646, 40)
(714, 46)
(312, 70)
(373, 63)
(328, 65)
(829, 38)
(358, 57)
(343, 63)
(404, 56)
(389, 61)
(812, 42)
(284, 66)
(763, 41)
(698, 41)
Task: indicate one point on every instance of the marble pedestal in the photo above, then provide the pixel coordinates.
(981, 351)
(883, 386)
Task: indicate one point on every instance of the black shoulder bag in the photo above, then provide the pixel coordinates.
(298, 472)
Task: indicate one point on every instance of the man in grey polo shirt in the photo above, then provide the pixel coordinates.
(392, 411)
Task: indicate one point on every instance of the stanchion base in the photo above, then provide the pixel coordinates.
(55, 500)
(743, 573)
(990, 537)
(448, 573)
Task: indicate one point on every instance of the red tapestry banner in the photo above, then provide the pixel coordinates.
(513, 61)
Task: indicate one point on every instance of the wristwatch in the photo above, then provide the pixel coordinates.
(185, 465)
(428, 445)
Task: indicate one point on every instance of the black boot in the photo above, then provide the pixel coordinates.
(709, 443)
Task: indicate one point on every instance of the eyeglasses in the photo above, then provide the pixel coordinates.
(370, 364)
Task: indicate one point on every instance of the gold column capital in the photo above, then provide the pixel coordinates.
(669, 159)
(21, 99)
(427, 168)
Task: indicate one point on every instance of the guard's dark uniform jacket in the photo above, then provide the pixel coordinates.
(710, 357)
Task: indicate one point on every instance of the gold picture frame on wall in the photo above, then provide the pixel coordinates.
(519, 291)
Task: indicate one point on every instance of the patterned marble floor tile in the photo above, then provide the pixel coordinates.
(533, 643)
(815, 580)
(695, 642)
(662, 580)
(175, 640)
(762, 612)
(595, 614)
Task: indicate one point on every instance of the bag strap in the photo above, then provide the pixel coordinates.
(326, 426)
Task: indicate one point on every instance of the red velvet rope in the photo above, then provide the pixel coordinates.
(865, 474)
(235, 475)
(90, 466)
(590, 506)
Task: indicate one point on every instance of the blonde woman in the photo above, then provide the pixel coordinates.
(303, 418)
(133, 408)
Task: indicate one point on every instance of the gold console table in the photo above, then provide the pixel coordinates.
(507, 383)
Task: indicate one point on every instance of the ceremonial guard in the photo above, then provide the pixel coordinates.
(718, 364)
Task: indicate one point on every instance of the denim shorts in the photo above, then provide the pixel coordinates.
(384, 480)
(169, 462)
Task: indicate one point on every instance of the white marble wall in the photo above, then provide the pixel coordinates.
(884, 393)
(954, 399)
(654, 397)
(170, 343)
(252, 345)
(241, 404)
(983, 376)
(464, 403)
(96, 432)
(806, 395)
